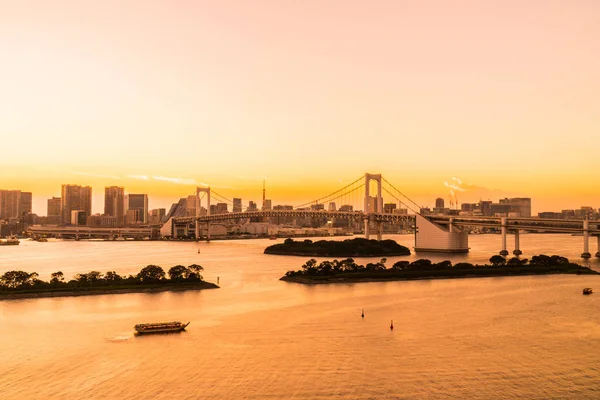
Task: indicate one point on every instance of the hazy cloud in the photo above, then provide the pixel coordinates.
(97, 175)
(142, 177)
(179, 181)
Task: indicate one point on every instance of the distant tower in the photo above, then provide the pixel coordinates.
(439, 202)
(264, 203)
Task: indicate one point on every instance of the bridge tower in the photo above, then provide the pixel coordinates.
(377, 207)
(198, 191)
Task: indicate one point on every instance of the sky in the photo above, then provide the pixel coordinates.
(160, 97)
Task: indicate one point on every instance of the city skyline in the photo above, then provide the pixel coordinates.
(306, 96)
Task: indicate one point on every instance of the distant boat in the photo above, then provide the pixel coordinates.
(587, 290)
(161, 327)
(272, 237)
(11, 241)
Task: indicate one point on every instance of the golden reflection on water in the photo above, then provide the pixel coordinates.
(258, 337)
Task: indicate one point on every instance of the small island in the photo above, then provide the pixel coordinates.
(357, 247)
(152, 278)
(348, 271)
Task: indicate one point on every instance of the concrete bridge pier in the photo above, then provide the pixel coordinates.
(367, 231)
(517, 251)
(598, 252)
(503, 252)
(586, 235)
(379, 230)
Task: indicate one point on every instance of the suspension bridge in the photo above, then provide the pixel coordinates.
(362, 201)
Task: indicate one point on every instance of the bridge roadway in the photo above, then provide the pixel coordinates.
(96, 232)
(512, 223)
(357, 215)
(518, 223)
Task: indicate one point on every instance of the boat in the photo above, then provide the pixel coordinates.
(160, 327)
(273, 237)
(587, 290)
(10, 241)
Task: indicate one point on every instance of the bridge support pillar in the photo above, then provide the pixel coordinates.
(598, 252)
(379, 230)
(586, 235)
(367, 231)
(503, 252)
(517, 251)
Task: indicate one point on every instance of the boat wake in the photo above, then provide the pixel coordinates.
(122, 337)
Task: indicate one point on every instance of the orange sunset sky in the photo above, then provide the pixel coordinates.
(309, 95)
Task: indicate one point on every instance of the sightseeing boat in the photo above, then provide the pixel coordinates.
(587, 290)
(160, 327)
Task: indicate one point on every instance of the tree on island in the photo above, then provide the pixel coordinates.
(151, 273)
(195, 272)
(178, 273)
(18, 279)
(112, 276)
(57, 277)
(497, 260)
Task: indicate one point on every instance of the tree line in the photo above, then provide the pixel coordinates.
(348, 265)
(151, 274)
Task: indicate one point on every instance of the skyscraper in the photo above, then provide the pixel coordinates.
(75, 197)
(439, 203)
(11, 205)
(138, 202)
(54, 211)
(114, 203)
(237, 205)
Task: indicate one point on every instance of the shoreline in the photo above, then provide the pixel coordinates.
(154, 288)
(427, 275)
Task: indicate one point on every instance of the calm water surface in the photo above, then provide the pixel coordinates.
(259, 338)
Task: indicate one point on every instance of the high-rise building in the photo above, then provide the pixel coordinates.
(237, 205)
(346, 207)
(14, 203)
(388, 208)
(139, 203)
(252, 206)
(53, 211)
(25, 203)
(520, 205)
(75, 197)
(191, 205)
(221, 208)
(331, 206)
(157, 216)
(114, 203)
(439, 203)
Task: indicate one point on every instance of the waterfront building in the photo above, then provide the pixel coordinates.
(157, 216)
(252, 206)
(317, 207)
(139, 203)
(520, 205)
(78, 217)
(114, 202)
(439, 203)
(331, 206)
(75, 198)
(132, 217)
(346, 207)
